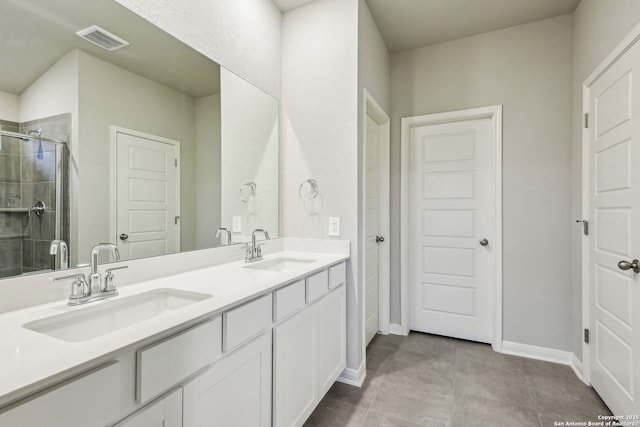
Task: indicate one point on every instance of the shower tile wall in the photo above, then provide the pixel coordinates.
(39, 184)
(11, 220)
(28, 175)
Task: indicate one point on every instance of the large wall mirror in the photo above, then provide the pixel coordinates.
(123, 135)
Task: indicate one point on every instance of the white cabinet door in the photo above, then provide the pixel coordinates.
(295, 369)
(332, 340)
(166, 412)
(235, 391)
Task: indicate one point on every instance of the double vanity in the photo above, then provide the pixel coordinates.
(236, 344)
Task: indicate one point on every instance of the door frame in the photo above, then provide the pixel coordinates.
(611, 59)
(376, 112)
(494, 113)
(113, 167)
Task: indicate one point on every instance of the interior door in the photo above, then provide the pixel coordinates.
(452, 228)
(147, 195)
(614, 209)
(372, 281)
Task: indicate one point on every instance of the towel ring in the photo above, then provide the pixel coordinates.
(247, 191)
(308, 190)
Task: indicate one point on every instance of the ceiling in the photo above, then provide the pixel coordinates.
(407, 24)
(35, 34)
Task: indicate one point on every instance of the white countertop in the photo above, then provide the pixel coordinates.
(30, 360)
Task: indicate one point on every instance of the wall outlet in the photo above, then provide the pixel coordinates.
(334, 226)
(236, 224)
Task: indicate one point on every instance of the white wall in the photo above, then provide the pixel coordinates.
(9, 107)
(319, 133)
(527, 69)
(599, 25)
(207, 170)
(243, 36)
(249, 120)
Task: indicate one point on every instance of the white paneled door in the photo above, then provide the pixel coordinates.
(452, 228)
(372, 281)
(147, 195)
(613, 138)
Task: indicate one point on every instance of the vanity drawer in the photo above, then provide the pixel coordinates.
(288, 300)
(245, 322)
(317, 285)
(163, 365)
(337, 275)
(91, 399)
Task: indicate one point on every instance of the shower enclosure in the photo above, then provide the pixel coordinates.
(33, 192)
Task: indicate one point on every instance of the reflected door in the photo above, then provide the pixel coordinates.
(147, 195)
(452, 223)
(614, 208)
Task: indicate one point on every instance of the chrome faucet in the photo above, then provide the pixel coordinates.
(95, 285)
(223, 230)
(60, 251)
(254, 252)
(83, 291)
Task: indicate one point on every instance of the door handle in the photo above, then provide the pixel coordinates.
(483, 242)
(124, 236)
(633, 265)
(379, 239)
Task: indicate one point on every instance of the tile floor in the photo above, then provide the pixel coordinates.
(427, 380)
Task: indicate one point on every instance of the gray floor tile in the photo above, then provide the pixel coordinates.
(374, 419)
(426, 380)
(425, 409)
(359, 396)
(335, 413)
(477, 411)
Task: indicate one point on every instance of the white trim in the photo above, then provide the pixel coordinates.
(376, 112)
(113, 162)
(495, 113)
(397, 329)
(576, 365)
(539, 353)
(353, 376)
(614, 55)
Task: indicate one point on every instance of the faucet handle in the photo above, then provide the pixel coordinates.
(79, 287)
(109, 279)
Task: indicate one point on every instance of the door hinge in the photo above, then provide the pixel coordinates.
(175, 161)
(586, 120)
(175, 219)
(585, 226)
(586, 336)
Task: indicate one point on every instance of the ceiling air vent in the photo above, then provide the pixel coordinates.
(102, 38)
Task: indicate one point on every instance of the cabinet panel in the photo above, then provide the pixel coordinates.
(288, 300)
(166, 412)
(295, 369)
(235, 391)
(337, 275)
(332, 340)
(90, 400)
(245, 322)
(317, 285)
(165, 364)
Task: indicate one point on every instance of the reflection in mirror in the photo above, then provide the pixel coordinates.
(159, 139)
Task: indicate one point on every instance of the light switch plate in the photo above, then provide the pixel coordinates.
(237, 224)
(334, 226)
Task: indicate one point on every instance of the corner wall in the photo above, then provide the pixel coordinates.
(527, 69)
(319, 134)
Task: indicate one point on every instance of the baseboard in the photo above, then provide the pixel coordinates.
(538, 353)
(576, 365)
(353, 376)
(397, 329)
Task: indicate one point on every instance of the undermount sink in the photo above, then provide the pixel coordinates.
(279, 264)
(110, 315)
